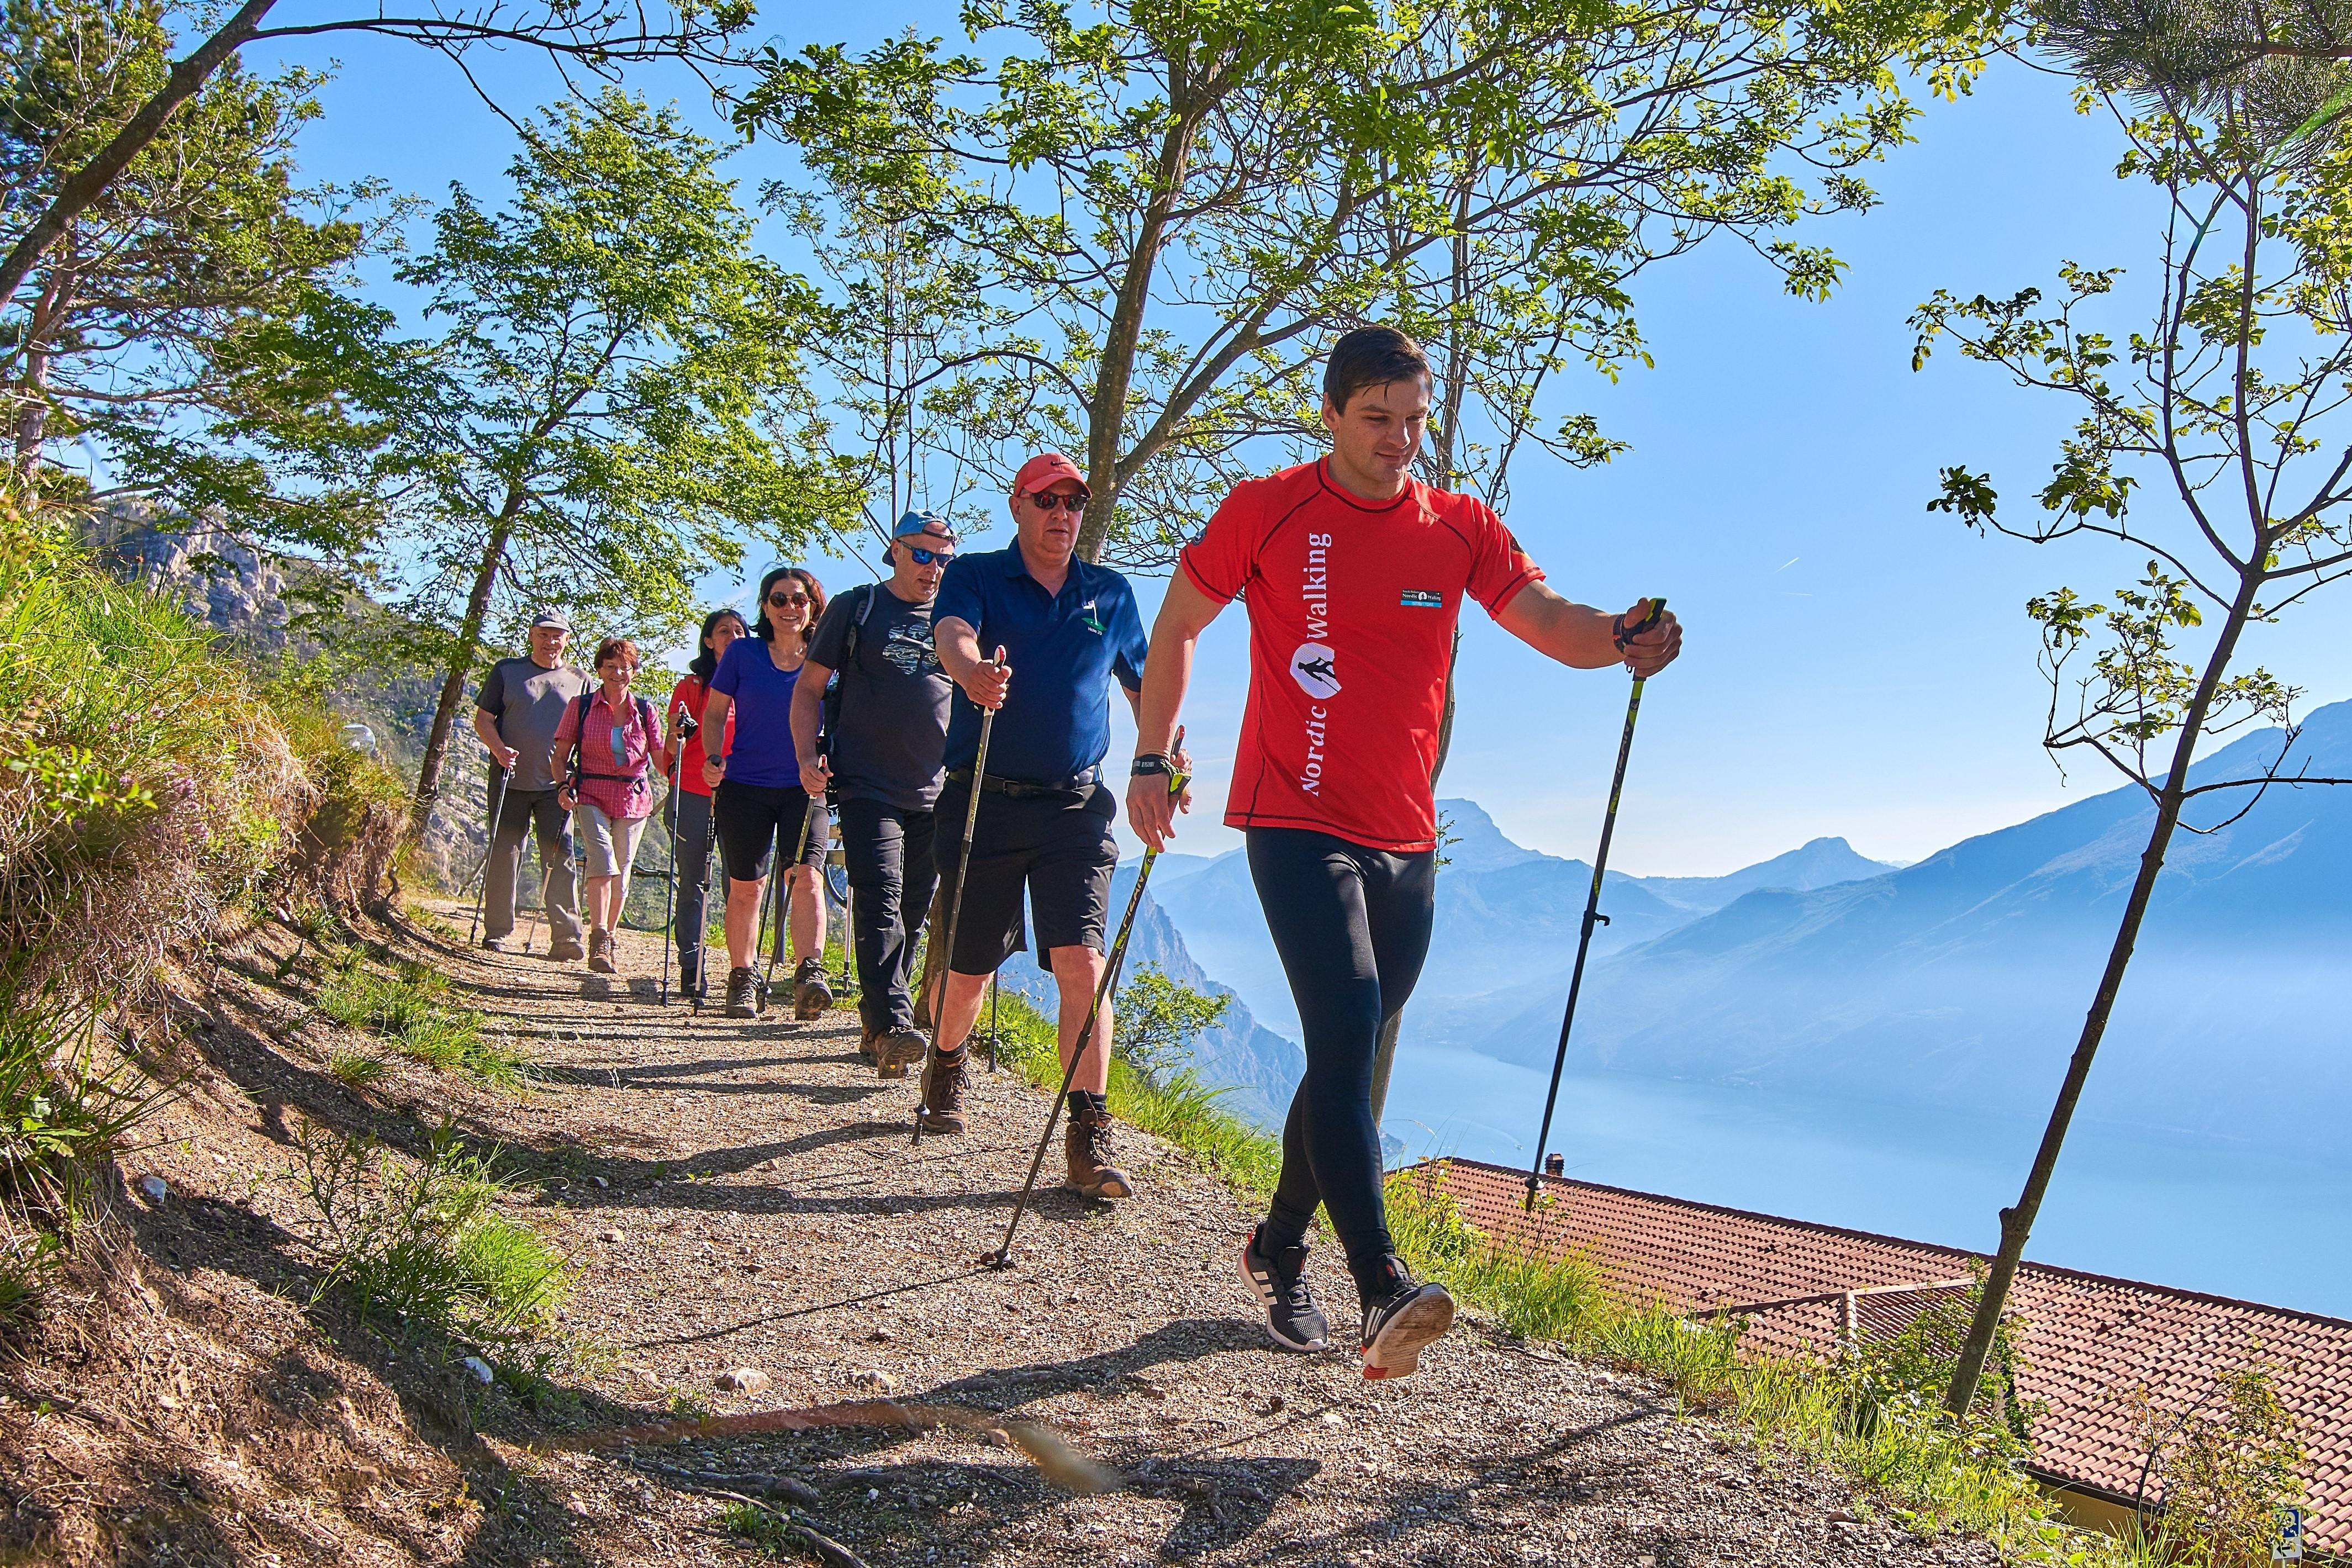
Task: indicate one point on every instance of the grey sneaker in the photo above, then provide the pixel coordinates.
(1401, 1316)
(1293, 1320)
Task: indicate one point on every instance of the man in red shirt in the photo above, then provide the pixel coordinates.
(1355, 573)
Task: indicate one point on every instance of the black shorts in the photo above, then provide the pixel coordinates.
(1057, 845)
(754, 819)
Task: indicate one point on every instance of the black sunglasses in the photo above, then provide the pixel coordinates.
(784, 601)
(925, 557)
(1045, 502)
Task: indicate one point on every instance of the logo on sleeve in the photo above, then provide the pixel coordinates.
(1422, 598)
(1310, 666)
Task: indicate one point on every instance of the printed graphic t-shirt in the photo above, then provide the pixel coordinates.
(893, 725)
(1352, 607)
(759, 741)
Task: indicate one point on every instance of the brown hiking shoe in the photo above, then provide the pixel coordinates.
(1087, 1142)
(600, 952)
(898, 1050)
(811, 995)
(944, 1077)
(866, 1038)
(743, 994)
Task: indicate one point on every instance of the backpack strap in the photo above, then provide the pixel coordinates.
(857, 623)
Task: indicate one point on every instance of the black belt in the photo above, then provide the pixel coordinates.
(1023, 789)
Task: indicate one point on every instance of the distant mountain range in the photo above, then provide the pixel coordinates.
(1962, 981)
(1505, 914)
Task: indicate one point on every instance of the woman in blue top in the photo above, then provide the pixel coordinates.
(757, 801)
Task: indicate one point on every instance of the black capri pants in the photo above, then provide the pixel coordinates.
(754, 819)
(1351, 926)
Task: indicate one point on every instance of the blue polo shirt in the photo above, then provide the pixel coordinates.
(1064, 648)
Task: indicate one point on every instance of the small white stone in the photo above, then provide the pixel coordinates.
(156, 1188)
(1333, 1418)
(480, 1369)
(614, 1235)
(743, 1380)
(880, 1382)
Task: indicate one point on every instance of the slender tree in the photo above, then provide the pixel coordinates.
(1187, 199)
(196, 319)
(2214, 446)
(598, 421)
(596, 37)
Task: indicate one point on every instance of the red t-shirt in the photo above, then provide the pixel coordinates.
(688, 697)
(1351, 610)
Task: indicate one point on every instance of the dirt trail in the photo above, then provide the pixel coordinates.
(745, 1194)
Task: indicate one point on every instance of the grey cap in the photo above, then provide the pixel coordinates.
(555, 618)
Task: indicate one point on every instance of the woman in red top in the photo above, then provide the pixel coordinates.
(690, 827)
(611, 793)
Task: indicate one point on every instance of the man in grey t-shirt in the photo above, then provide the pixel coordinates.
(882, 763)
(522, 702)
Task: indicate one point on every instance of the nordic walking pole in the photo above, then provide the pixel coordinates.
(1593, 915)
(686, 728)
(992, 1023)
(783, 901)
(498, 809)
(955, 900)
(1002, 1257)
(702, 937)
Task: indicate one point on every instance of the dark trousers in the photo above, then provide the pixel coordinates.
(690, 859)
(534, 811)
(1351, 926)
(886, 851)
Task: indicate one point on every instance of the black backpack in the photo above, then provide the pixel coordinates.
(832, 703)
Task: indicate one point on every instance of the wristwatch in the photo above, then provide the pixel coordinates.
(1150, 763)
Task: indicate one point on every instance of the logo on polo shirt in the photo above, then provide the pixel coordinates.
(1310, 666)
(1422, 598)
(1088, 618)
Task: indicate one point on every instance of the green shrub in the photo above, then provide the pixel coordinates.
(423, 1244)
(143, 787)
(67, 1103)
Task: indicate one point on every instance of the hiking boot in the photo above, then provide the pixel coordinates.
(689, 974)
(494, 944)
(900, 1049)
(866, 1038)
(1293, 1320)
(600, 952)
(564, 950)
(1401, 1316)
(811, 995)
(1087, 1142)
(944, 1077)
(743, 994)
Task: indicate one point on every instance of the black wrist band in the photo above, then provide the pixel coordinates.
(1150, 763)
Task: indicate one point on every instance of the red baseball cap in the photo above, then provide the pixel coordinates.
(1043, 470)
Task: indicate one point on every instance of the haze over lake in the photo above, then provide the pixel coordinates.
(2257, 1219)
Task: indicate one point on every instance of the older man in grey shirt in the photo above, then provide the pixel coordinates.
(522, 702)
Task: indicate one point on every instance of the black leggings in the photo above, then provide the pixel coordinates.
(1351, 926)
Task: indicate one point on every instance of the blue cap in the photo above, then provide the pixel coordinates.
(923, 522)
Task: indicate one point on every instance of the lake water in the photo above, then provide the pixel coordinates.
(2271, 1225)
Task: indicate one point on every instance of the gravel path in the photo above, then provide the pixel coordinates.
(746, 1196)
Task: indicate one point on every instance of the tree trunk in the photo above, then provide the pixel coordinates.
(461, 660)
(89, 181)
(1107, 414)
(2017, 1223)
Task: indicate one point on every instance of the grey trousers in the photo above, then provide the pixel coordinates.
(534, 810)
(690, 847)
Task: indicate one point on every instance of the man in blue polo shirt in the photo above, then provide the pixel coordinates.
(1064, 628)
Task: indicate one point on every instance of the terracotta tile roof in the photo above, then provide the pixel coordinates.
(2087, 1339)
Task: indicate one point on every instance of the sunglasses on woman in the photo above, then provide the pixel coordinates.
(1046, 502)
(786, 601)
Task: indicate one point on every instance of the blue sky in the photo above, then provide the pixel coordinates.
(1854, 665)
